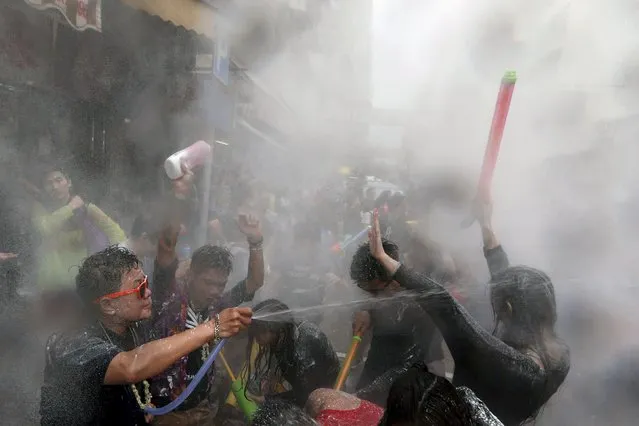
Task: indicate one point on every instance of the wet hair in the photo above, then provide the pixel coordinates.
(269, 358)
(211, 257)
(421, 398)
(533, 314)
(276, 412)
(365, 268)
(101, 273)
(531, 296)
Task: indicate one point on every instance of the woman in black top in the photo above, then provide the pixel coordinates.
(515, 371)
(298, 352)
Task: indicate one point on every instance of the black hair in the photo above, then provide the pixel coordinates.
(365, 268)
(531, 296)
(211, 257)
(396, 200)
(101, 273)
(421, 398)
(47, 169)
(270, 359)
(276, 412)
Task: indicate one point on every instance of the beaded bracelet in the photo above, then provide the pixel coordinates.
(216, 329)
(256, 246)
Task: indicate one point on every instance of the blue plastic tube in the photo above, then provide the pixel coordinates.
(159, 411)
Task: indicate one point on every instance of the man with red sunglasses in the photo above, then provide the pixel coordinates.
(98, 375)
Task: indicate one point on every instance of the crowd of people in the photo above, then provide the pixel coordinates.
(135, 318)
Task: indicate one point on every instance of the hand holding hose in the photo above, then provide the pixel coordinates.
(361, 323)
(232, 321)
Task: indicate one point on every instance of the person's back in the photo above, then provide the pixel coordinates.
(312, 362)
(419, 398)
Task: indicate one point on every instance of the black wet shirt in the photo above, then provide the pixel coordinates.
(402, 331)
(74, 393)
(513, 386)
(311, 364)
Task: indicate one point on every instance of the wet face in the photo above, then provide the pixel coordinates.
(58, 187)
(135, 306)
(206, 287)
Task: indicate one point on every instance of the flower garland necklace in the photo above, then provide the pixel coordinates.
(192, 321)
(147, 387)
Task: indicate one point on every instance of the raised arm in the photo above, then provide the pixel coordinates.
(49, 223)
(250, 227)
(112, 230)
(166, 264)
(496, 257)
(245, 290)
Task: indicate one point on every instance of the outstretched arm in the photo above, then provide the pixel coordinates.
(150, 359)
(112, 230)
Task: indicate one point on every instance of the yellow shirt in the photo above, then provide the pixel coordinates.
(63, 245)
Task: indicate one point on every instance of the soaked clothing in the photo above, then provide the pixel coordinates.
(73, 392)
(172, 305)
(511, 384)
(402, 334)
(309, 364)
(367, 414)
(480, 414)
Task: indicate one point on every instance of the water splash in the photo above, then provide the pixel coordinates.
(268, 315)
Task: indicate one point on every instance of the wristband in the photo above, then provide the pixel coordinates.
(256, 245)
(216, 329)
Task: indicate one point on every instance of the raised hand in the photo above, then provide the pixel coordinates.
(484, 212)
(361, 323)
(76, 202)
(375, 237)
(250, 226)
(166, 244)
(183, 185)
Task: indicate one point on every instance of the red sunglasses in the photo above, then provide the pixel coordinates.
(140, 290)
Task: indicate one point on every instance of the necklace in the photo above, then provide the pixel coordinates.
(145, 384)
(192, 321)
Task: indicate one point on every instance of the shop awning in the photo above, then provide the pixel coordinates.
(190, 14)
(80, 14)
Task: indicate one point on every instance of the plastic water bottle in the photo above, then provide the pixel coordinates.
(192, 157)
